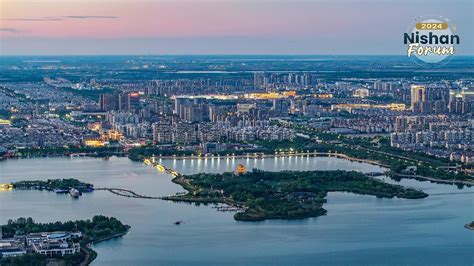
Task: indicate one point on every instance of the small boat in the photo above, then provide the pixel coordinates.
(74, 193)
(178, 222)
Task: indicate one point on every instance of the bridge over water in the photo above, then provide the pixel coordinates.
(151, 162)
(131, 194)
(127, 193)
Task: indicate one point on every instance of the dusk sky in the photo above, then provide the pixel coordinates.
(220, 26)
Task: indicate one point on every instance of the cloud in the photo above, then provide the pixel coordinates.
(33, 19)
(8, 30)
(90, 17)
(59, 18)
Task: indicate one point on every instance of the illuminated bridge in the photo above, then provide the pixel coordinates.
(131, 194)
(161, 167)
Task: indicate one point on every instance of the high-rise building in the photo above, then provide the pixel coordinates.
(133, 101)
(259, 79)
(401, 124)
(162, 133)
(461, 101)
(378, 85)
(122, 102)
(184, 133)
(281, 106)
(361, 93)
(191, 109)
(193, 113)
(179, 102)
(108, 102)
(418, 97)
(128, 101)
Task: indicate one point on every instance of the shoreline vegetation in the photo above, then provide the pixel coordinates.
(100, 228)
(56, 185)
(375, 151)
(64, 152)
(395, 169)
(262, 195)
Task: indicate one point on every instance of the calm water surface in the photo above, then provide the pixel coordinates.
(358, 230)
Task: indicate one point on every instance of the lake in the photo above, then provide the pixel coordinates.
(357, 230)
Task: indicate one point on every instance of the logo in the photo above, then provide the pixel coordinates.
(431, 41)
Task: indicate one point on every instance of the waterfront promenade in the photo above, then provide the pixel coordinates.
(154, 161)
(275, 155)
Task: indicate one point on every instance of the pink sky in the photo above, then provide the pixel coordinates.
(156, 19)
(329, 23)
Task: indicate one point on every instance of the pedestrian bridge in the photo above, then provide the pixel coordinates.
(161, 167)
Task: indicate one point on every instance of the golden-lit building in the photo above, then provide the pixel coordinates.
(349, 106)
(240, 169)
(289, 93)
(418, 97)
(269, 95)
(5, 122)
(94, 143)
(112, 135)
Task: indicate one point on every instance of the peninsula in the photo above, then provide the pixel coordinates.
(262, 195)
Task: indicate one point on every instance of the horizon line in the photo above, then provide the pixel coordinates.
(217, 54)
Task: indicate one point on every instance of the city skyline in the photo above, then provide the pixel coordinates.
(218, 27)
(236, 132)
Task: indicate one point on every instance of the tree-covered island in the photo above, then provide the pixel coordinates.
(265, 195)
(54, 185)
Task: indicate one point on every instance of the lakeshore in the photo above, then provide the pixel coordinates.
(289, 154)
(437, 180)
(318, 154)
(282, 195)
(276, 155)
(296, 154)
(90, 254)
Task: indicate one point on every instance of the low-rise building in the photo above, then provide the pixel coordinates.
(53, 243)
(11, 248)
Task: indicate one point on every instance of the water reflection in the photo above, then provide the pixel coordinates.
(358, 230)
